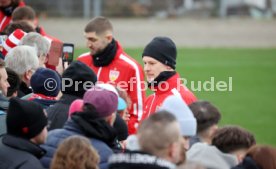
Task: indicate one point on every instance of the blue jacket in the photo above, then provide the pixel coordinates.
(3, 129)
(71, 128)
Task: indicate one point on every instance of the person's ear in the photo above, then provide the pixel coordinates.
(111, 119)
(28, 74)
(109, 37)
(174, 152)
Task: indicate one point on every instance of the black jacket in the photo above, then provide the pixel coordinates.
(23, 90)
(19, 153)
(247, 163)
(58, 113)
(138, 160)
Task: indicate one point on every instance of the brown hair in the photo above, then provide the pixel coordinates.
(23, 13)
(23, 25)
(14, 81)
(99, 25)
(206, 115)
(75, 152)
(231, 138)
(264, 156)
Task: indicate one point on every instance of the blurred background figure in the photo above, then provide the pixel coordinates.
(6, 9)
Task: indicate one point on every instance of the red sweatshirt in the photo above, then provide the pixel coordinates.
(126, 73)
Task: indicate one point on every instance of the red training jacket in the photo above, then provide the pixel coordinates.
(126, 73)
(162, 91)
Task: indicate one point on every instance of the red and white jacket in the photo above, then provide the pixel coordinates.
(173, 86)
(126, 73)
(5, 20)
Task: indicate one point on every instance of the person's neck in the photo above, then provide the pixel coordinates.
(207, 140)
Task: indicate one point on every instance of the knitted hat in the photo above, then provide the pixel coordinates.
(46, 81)
(162, 49)
(105, 102)
(79, 74)
(176, 106)
(119, 125)
(76, 106)
(25, 119)
(121, 102)
(13, 40)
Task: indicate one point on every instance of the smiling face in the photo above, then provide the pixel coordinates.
(97, 43)
(153, 68)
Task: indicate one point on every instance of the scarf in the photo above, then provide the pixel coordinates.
(106, 56)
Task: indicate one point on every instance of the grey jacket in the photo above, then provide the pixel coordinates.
(210, 157)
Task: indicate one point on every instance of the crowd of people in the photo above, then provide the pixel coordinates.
(94, 113)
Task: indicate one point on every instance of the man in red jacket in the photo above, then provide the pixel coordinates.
(112, 65)
(6, 9)
(159, 59)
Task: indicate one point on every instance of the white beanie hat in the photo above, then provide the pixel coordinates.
(177, 106)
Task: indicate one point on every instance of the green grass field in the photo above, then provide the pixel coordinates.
(252, 101)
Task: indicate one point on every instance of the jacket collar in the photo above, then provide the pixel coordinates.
(24, 145)
(106, 56)
(67, 99)
(119, 50)
(137, 160)
(168, 85)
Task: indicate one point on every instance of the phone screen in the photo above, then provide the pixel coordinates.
(68, 52)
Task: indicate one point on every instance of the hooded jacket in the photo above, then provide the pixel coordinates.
(210, 157)
(101, 135)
